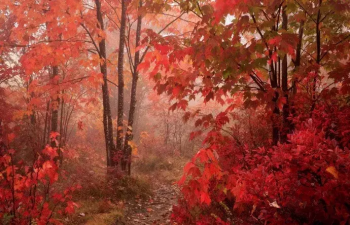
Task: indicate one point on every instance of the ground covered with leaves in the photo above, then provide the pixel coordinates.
(155, 210)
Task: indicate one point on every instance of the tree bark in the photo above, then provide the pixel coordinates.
(61, 142)
(135, 76)
(318, 56)
(32, 95)
(107, 118)
(46, 124)
(274, 81)
(120, 112)
(296, 66)
(55, 101)
(276, 111)
(3, 147)
(286, 121)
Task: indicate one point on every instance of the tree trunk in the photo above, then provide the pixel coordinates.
(135, 76)
(61, 142)
(107, 118)
(276, 111)
(54, 108)
(3, 147)
(46, 124)
(318, 56)
(296, 66)
(121, 87)
(32, 95)
(286, 122)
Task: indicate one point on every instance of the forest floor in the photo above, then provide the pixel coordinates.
(162, 176)
(145, 198)
(155, 210)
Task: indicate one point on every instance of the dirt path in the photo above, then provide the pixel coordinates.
(156, 210)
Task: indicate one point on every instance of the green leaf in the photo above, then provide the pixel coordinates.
(227, 73)
(158, 76)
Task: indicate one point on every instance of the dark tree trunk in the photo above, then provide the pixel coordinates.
(318, 56)
(32, 95)
(135, 76)
(55, 101)
(299, 45)
(296, 66)
(274, 81)
(276, 111)
(107, 118)
(3, 147)
(286, 122)
(121, 86)
(61, 142)
(46, 124)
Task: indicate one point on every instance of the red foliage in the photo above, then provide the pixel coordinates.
(27, 193)
(303, 182)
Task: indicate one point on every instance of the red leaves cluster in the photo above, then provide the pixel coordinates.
(27, 194)
(305, 181)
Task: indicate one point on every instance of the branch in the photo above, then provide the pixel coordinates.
(259, 31)
(112, 82)
(115, 11)
(188, 9)
(92, 39)
(167, 14)
(110, 19)
(325, 16)
(199, 7)
(127, 45)
(159, 32)
(256, 80)
(339, 42)
(302, 7)
(278, 15)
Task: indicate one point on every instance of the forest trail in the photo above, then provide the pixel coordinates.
(155, 210)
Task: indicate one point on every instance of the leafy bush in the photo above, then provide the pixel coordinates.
(305, 181)
(27, 195)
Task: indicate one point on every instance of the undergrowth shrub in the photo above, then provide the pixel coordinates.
(305, 181)
(27, 192)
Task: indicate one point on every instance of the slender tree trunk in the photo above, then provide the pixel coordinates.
(46, 123)
(276, 111)
(299, 45)
(286, 121)
(67, 119)
(60, 143)
(296, 66)
(49, 125)
(275, 80)
(107, 118)
(318, 56)
(135, 76)
(54, 108)
(3, 147)
(121, 87)
(32, 95)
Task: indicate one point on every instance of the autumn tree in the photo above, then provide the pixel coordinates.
(277, 55)
(121, 82)
(135, 76)
(107, 119)
(267, 54)
(137, 54)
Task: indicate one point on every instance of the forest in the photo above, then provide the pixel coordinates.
(174, 112)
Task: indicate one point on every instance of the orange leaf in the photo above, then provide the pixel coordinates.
(332, 170)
